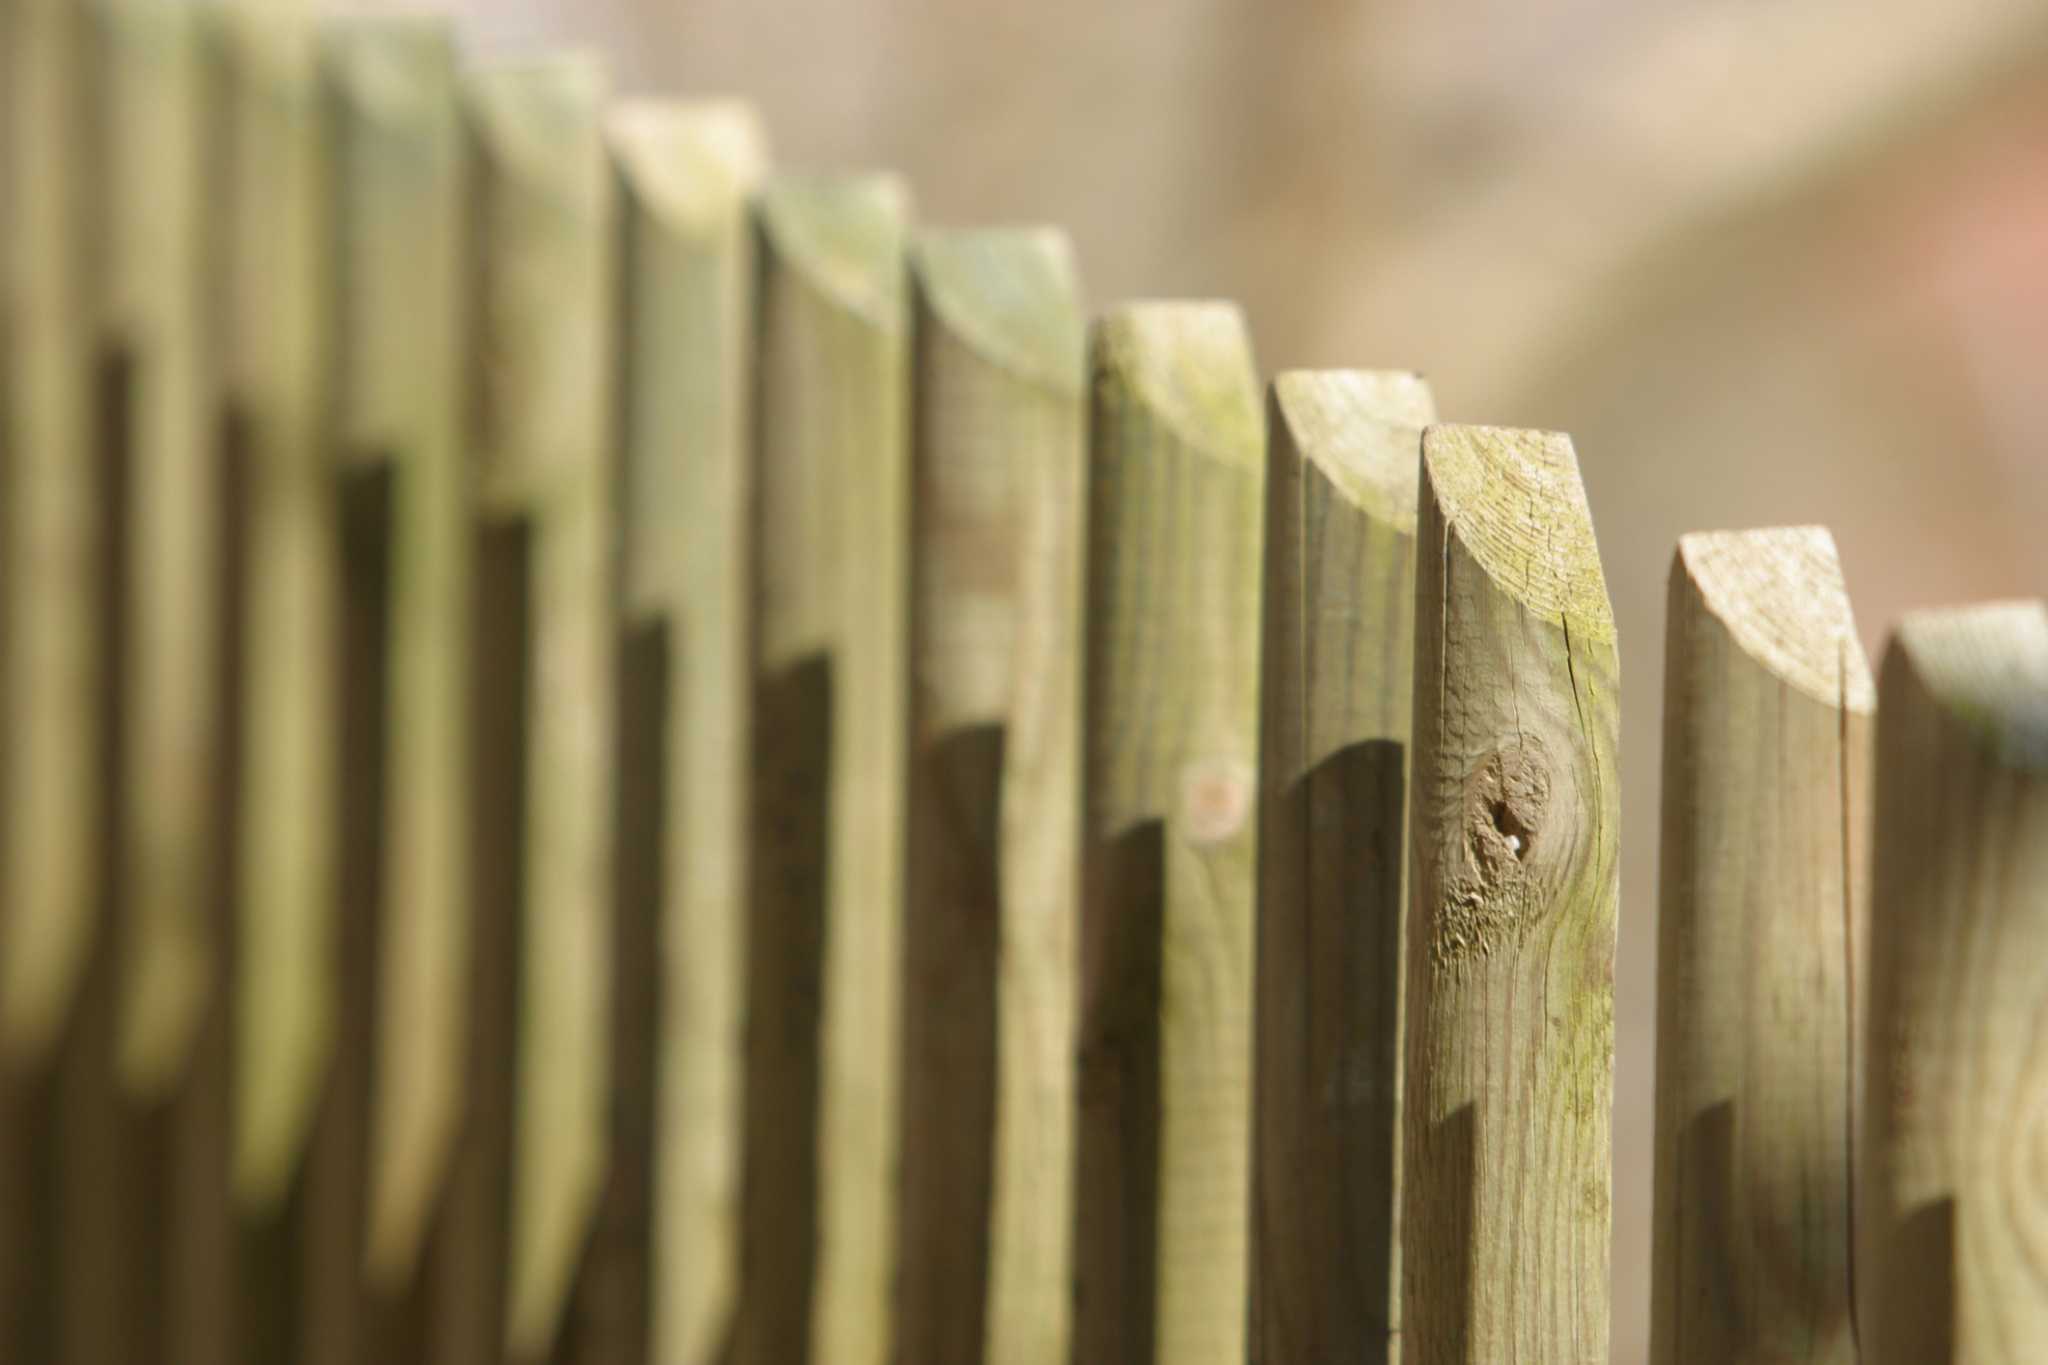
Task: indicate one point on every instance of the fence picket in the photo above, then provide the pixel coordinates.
(831, 667)
(1952, 1207)
(280, 490)
(687, 281)
(1176, 513)
(1343, 451)
(1516, 814)
(396, 242)
(1767, 709)
(541, 438)
(609, 757)
(57, 682)
(993, 880)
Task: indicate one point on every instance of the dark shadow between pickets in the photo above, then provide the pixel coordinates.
(1116, 1177)
(952, 946)
(788, 871)
(1329, 1011)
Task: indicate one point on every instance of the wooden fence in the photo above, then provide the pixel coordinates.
(611, 755)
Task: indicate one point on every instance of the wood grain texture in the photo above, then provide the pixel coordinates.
(1513, 887)
(1176, 518)
(541, 440)
(393, 125)
(1766, 808)
(831, 673)
(994, 881)
(1338, 659)
(687, 283)
(1952, 1218)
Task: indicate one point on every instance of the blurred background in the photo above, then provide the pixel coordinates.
(1767, 262)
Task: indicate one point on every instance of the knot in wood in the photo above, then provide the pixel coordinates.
(1487, 898)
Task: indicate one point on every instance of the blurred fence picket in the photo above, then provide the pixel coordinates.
(1176, 512)
(831, 664)
(394, 225)
(56, 687)
(611, 757)
(274, 381)
(687, 299)
(991, 903)
(1952, 1203)
(542, 412)
(1767, 705)
(1344, 452)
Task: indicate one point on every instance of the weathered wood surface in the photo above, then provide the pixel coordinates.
(1176, 514)
(1766, 805)
(686, 363)
(1953, 1213)
(396, 232)
(831, 669)
(994, 881)
(1338, 664)
(544, 233)
(1513, 888)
